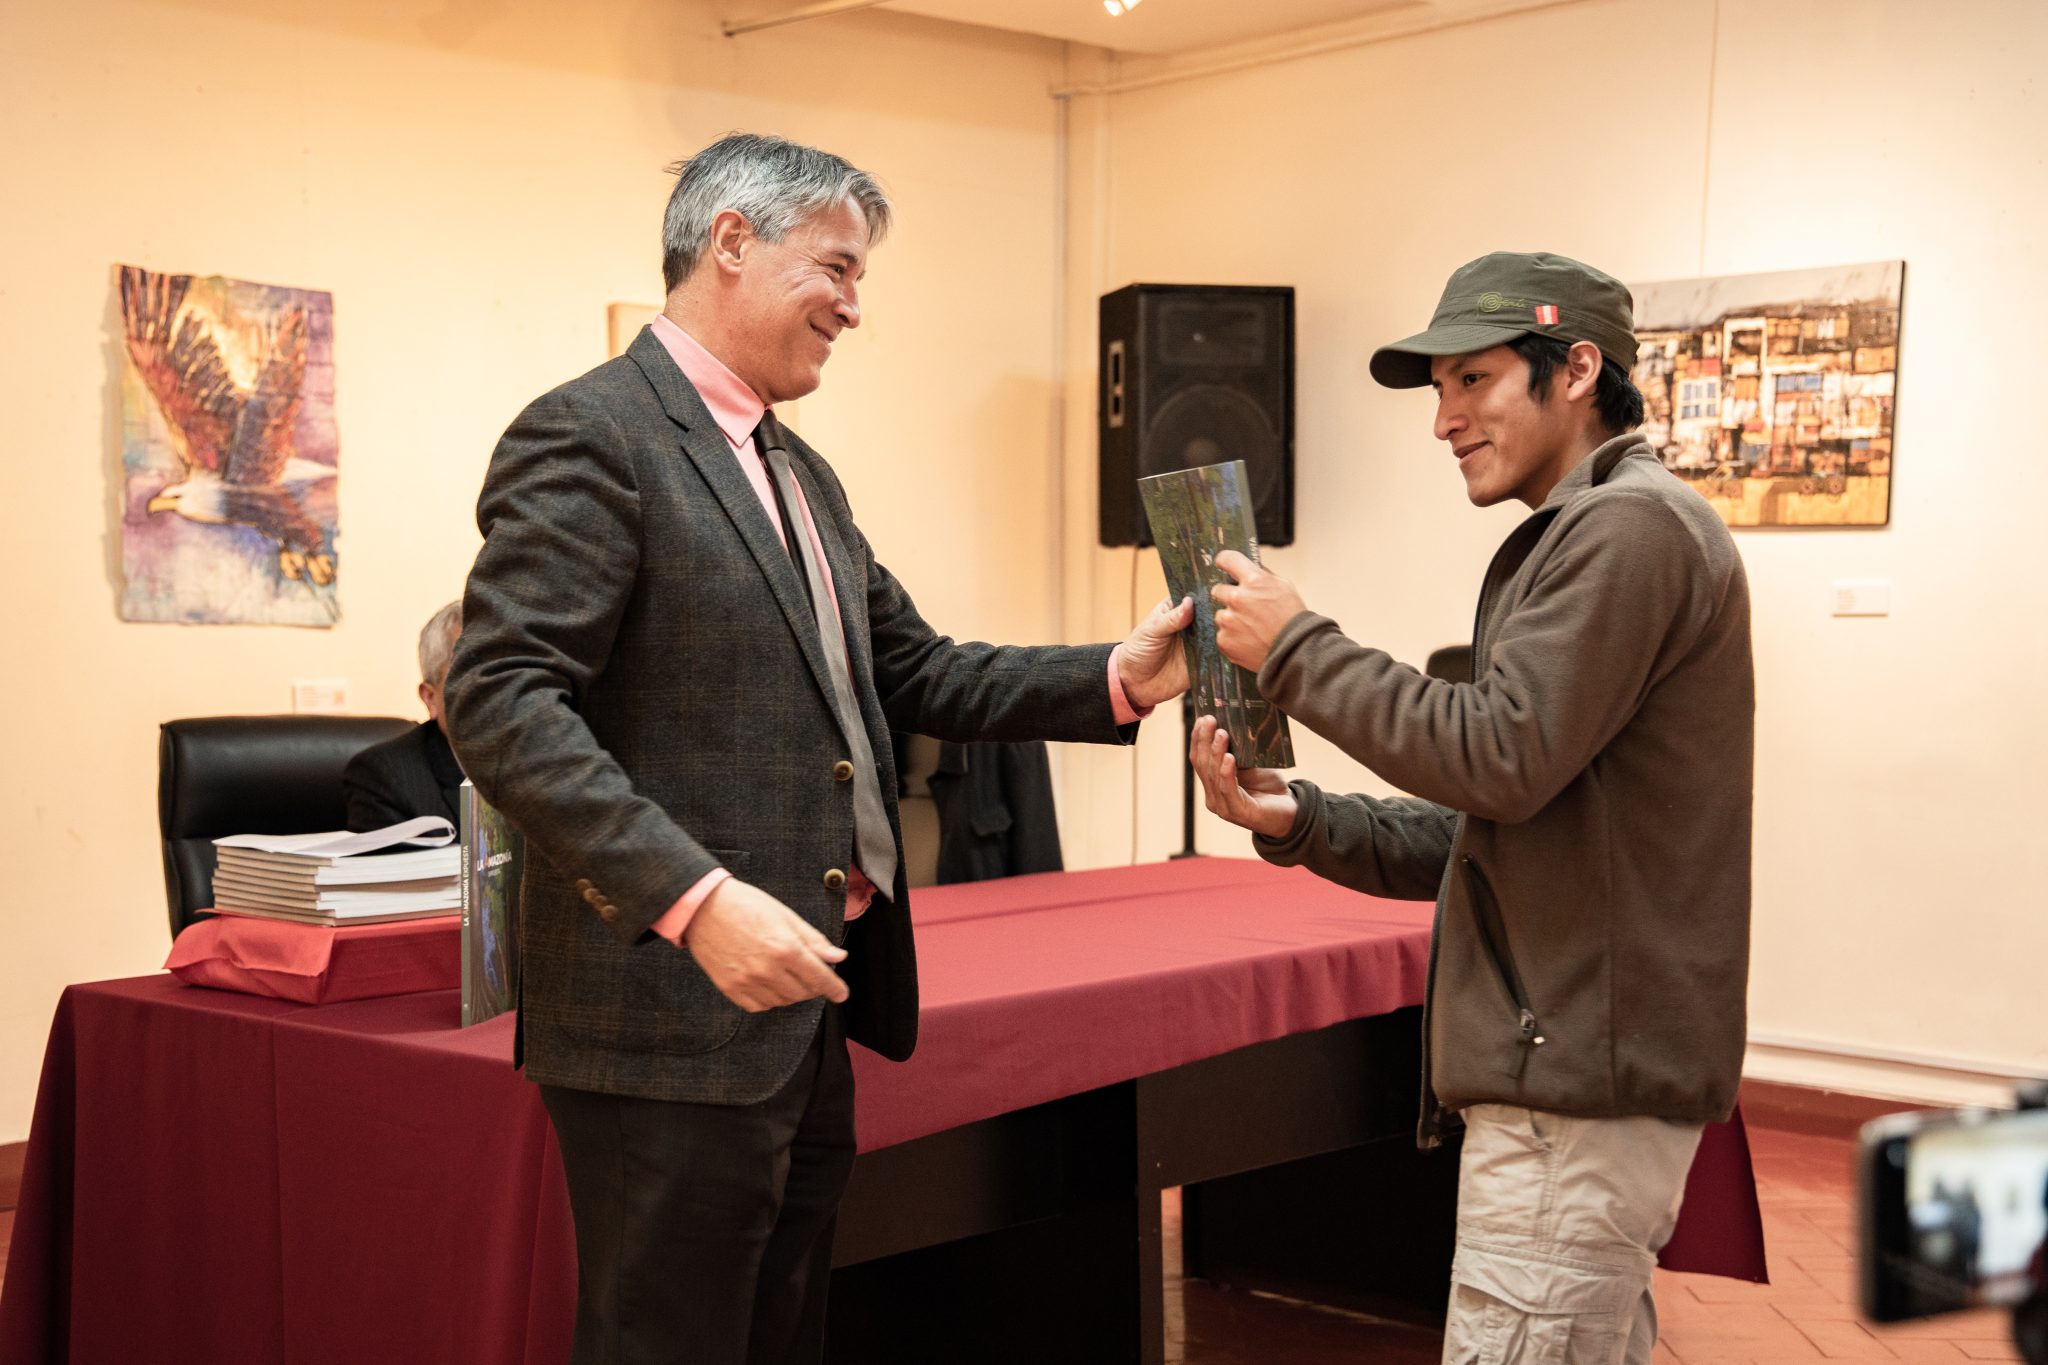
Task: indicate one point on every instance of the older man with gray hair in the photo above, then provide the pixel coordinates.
(678, 674)
(414, 773)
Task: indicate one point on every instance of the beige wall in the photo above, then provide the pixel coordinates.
(1899, 859)
(474, 183)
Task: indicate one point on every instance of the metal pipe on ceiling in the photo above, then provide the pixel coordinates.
(733, 28)
(1400, 23)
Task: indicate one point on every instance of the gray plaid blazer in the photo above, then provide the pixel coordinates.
(640, 688)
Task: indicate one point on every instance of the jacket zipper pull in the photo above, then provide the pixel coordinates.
(1530, 1036)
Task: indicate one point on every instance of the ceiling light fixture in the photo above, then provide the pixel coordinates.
(1116, 7)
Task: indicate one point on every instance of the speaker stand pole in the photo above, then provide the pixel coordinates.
(1187, 778)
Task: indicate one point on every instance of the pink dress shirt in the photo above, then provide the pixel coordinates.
(737, 410)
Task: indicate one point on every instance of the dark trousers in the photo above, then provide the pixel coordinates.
(704, 1232)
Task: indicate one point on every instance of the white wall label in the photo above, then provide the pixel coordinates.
(1862, 597)
(320, 696)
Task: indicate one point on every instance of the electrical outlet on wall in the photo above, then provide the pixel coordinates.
(319, 696)
(1861, 597)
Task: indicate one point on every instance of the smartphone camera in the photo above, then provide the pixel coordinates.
(1955, 1215)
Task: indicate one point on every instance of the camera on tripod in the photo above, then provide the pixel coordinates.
(1954, 1215)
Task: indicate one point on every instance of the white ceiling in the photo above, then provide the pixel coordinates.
(1159, 27)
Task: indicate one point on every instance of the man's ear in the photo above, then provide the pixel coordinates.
(1582, 370)
(730, 238)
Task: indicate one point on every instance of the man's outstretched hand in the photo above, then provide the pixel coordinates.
(759, 952)
(1257, 799)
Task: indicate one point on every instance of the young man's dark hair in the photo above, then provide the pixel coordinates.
(1618, 400)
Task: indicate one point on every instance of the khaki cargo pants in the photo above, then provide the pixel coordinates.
(1559, 1223)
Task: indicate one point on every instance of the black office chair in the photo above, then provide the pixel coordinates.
(1452, 663)
(222, 775)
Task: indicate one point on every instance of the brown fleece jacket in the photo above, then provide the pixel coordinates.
(1582, 809)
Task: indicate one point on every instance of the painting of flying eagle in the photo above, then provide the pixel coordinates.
(228, 451)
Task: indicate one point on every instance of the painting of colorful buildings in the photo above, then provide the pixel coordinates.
(1773, 394)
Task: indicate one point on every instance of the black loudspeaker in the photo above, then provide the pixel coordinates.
(1196, 374)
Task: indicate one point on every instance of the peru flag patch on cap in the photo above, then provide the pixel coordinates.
(1546, 314)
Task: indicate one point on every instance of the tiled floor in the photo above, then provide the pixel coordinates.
(1807, 1313)
(1808, 1310)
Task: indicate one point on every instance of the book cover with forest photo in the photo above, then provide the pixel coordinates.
(1196, 514)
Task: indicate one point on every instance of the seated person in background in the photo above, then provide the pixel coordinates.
(414, 773)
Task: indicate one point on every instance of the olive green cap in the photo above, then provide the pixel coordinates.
(1491, 301)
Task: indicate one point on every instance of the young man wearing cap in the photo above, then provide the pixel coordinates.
(1581, 811)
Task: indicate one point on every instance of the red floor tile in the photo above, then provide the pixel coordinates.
(1842, 1340)
(1924, 1350)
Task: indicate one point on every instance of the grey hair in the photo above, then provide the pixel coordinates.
(775, 184)
(437, 641)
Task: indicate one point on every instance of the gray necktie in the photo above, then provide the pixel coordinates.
(874, 845)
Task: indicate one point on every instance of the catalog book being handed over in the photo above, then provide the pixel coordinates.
(491, 858)
(1197, 514)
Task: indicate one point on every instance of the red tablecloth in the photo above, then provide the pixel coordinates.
(1044, 986)
(220, 1177)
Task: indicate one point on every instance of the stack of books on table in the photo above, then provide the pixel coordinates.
(406, 871)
